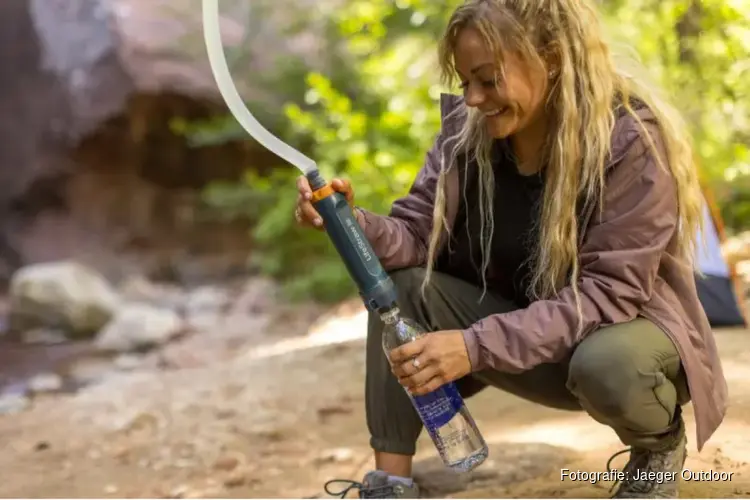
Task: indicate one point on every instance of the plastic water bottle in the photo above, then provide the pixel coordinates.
(443, 412)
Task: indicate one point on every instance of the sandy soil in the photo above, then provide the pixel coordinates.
(278, 420)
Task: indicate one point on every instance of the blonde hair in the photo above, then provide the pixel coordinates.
(587, 85)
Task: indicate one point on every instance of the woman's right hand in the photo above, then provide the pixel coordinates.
(305, 213)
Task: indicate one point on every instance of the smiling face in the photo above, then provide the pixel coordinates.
(512, 100)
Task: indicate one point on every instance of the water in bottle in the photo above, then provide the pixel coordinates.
(443, 412)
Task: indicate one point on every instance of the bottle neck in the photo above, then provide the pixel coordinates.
(391, 316)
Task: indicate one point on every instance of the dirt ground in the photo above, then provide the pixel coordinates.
(278, 420)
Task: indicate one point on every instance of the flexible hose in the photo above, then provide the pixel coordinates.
(220, 70)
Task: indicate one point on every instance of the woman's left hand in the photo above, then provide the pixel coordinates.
(422, 366)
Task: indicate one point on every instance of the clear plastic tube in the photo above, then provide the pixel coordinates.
(220, 70)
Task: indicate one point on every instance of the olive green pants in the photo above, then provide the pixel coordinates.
(627, 376)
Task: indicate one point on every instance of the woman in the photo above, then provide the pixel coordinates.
(547, 243)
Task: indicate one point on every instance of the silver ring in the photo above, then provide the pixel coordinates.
(415, 362)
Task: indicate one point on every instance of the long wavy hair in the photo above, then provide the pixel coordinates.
(586, 85)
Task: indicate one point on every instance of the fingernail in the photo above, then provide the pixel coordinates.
(318, 222)
(308, 196)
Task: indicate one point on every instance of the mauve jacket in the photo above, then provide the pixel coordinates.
(627, 261)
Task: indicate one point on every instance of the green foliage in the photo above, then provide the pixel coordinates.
(701, 53)
(374, 117)
(372, 127)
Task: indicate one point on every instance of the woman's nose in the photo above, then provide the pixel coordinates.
(474, 96)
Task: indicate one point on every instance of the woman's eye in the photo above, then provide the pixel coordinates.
(489, 83)
(464, 85)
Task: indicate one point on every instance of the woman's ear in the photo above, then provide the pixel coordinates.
(551, 57)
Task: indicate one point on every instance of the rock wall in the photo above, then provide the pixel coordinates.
(90, 166)
(133, 204)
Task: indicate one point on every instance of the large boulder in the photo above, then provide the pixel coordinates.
(91, 165)
(64, 295)
(102, 51)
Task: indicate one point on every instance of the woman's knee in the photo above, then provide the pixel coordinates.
(602, 380)
(616, 372)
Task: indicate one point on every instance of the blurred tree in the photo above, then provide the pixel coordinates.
(373, 119)
(700, 51)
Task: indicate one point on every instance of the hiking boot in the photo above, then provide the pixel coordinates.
(651, 474)
(376, 484)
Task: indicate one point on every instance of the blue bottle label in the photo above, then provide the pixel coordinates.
(439, 407)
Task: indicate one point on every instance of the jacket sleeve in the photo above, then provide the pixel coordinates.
(400, 239)
(619, 262)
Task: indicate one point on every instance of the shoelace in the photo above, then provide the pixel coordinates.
(635, 486)
(372, 491)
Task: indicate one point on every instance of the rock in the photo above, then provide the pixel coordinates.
(255, 296)
(101, 52)
(47, 336)
(236, 478)
(336, 455)
(206, 299)
(128, 362)
(45, 382)
(185, 491)
(178, 491)
(139, 326)
(227, 463)
(328, 411)
(13, 403)
(42, 446)
(204, 307)
(89, 371)
(138, 289)
(62, 295)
